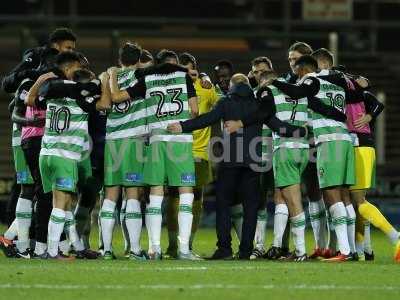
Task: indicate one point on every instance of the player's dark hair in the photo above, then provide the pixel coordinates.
(323, 54)
(62, 34)
(268, 75)
(163, 54)
(262, 60)
(224, 64)
(82, 75)
(129, 54)
(301, 47)
(307, 61)
(67, 58)
(187, 58)
(146, 56)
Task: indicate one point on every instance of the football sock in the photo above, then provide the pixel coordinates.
(367, 237)
(298, 226)
(40, 248)
(185, 219)
(12, 231)
(373, 215)
(280, 220)
(107, 220)
(56, 227)
(351, 227)
(23, 214)
(133, 216)
(259, 237)
(339, 221)
(154, 218)
(197, 210)
(70, 229)
(82, 216)
(124, 229)
(315, 220)
(359, 234)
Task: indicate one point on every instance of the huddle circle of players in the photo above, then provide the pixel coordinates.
(126, 135)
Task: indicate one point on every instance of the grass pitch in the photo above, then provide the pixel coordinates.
(123, 279)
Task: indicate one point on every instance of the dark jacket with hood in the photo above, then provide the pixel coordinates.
(244, 147)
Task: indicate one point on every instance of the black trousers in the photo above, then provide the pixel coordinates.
(44, 205)
(233, 182)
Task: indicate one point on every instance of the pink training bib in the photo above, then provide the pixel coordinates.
(29, 131)
(354, 111)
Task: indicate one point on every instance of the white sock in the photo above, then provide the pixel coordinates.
(324, 228)
(12, 231)
(367, 246)
(40, 248)
(64, 247)
(70, 230)
(315, 220)
(133, 220)
(339, 221)
(23, 214)
(154, 218)
(237, 219)
(259, 237)
(360, 248)
(185, 219)
(122, 220)
(298, 226)
(107, 220)
(82, 217)
(147, 221)
(351, 227)
(280, 220)
(332, 241)
(56, 227)
(100, 236)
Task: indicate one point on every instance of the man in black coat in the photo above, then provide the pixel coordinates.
(239, 168)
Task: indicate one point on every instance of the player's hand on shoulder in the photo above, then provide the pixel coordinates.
(175, 127)
(206, 83)
(363, 120)
(42, 78)
(362, 82)
(112, 70)
(232, 126)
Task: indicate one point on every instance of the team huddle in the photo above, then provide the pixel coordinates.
(140, 134)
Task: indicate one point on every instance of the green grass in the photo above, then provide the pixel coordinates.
(122, 279)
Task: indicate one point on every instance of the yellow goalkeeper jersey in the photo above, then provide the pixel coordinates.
(206, 100)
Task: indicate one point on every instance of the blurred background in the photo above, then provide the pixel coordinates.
(363, 34)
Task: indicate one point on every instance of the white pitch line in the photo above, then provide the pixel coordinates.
(200, 287)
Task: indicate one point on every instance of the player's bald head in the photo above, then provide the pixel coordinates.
(239, 78)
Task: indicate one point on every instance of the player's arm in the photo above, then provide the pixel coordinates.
(372, 105)
(307, 88)
(117, 95)
(263, 111)
(30, 60)
(33, 93)
(285, 129)
(316, 105)
(204, 120)
(191, 93)
(105, 100)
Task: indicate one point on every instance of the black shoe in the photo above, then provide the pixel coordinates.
(369, 256)
(274, 253)
(221, 255)
(25, 254)
(86, 254)
(354, 256)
